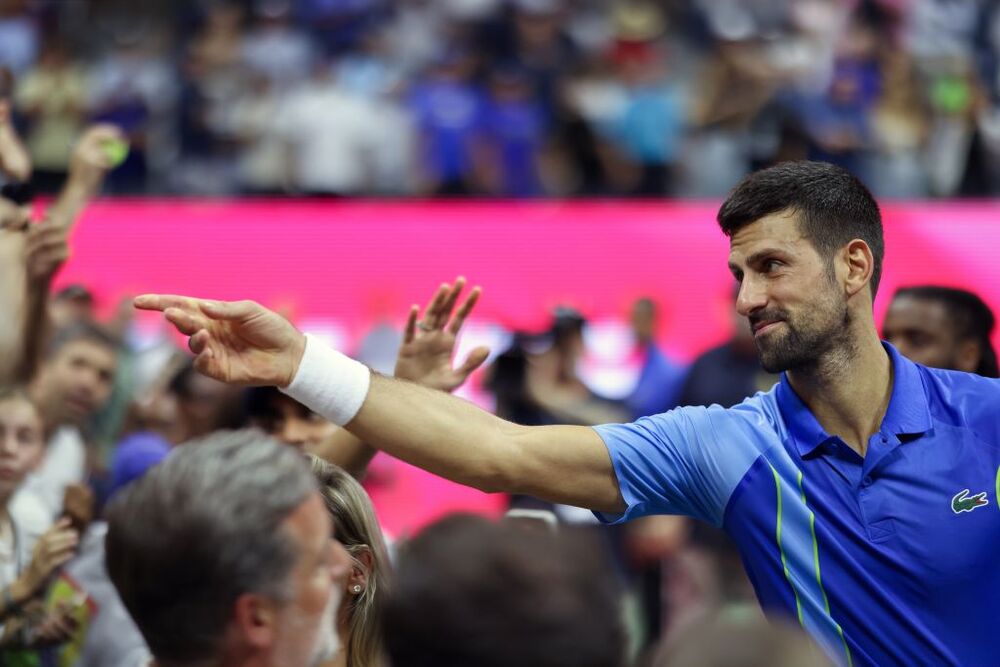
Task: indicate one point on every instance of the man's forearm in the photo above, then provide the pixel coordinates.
(427, 428)
(457, 440)
(440, 433)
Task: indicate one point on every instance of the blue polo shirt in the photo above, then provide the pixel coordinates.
(890, 559)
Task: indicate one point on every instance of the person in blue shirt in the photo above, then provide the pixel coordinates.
(861, 490)
(446, 105)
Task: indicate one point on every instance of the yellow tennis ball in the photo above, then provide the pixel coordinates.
(116, 151)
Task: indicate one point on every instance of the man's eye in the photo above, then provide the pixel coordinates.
(771, 265)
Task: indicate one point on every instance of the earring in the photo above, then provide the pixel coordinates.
(356, 589)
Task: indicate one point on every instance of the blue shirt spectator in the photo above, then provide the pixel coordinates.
(446, 109)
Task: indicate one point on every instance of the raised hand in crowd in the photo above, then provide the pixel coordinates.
(96, 153)
(428, 348)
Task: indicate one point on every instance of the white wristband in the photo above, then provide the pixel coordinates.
(330, 383)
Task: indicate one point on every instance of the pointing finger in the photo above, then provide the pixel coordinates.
(163, 301)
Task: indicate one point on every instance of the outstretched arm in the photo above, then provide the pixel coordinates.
(244, 343)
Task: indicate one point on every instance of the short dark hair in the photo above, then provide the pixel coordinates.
(971, 318)
(468, 591)
(88, 331)
(834, 207)
(200, 529)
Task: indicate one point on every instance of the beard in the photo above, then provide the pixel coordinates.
(304, 640)
(327, 640)
(799, 342)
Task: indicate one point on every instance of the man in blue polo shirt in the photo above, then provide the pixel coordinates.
(863, 490)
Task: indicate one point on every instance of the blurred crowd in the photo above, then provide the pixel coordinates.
(512, 98)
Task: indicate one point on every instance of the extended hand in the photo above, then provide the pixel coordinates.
(429, 345)
(239, 342)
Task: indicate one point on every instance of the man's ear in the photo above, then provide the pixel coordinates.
(968, 356)
(255, 620)
(858, 266)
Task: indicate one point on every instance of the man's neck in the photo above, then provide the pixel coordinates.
(848, 390)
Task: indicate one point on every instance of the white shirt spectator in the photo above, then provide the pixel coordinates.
(331, 134)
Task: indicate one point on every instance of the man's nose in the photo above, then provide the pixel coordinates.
(751, 297)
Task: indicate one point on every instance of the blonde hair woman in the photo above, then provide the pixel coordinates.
(359, 619)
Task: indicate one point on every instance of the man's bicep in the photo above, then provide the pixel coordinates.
(568, 465)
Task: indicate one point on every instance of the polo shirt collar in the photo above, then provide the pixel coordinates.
(908, 412)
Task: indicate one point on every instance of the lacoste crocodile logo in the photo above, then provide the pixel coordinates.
(963, 502)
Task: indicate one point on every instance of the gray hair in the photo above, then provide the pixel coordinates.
(200, 529)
